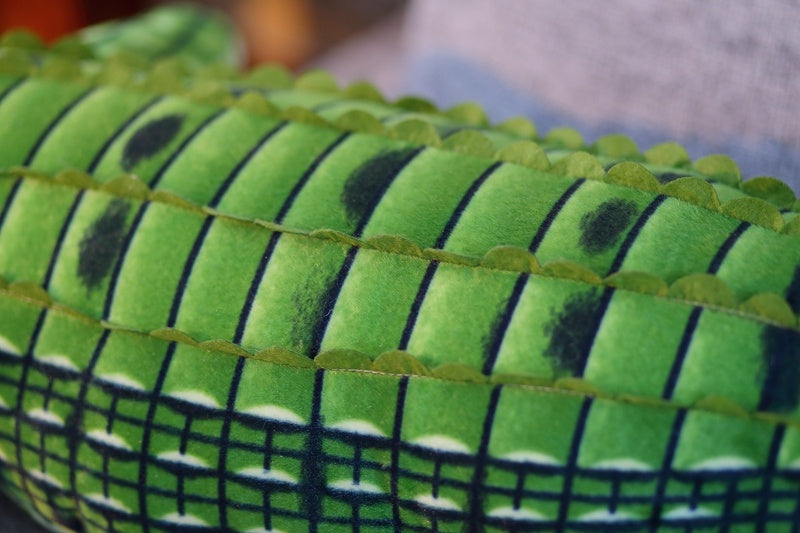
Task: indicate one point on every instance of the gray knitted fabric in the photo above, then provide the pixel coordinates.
(716, 76)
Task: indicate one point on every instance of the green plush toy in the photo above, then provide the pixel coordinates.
(242, 302)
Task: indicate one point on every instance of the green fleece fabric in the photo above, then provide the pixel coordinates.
(245, 303)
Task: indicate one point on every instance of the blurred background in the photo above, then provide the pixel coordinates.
(291, 32)
(719, 77)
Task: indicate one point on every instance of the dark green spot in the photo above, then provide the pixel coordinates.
(313, 303)
(781, 386)
(150, 139)
(601, 228)
(793, 292)
(667, 177)
(571, 333)
(366, 185)
(100, 243)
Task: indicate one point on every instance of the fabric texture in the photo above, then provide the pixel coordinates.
(246, 302)
(718, 78)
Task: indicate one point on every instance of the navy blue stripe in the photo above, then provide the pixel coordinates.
(602, 307)
(287, 204)
(177, 152)
(12, 194)
(225, 431)
(462, 205)
(572, 465)
(362, 223)
(19, 414)
(665, 470)
(769, 474)
(60, 239)
(634, 233)
(394, 469)
(11, 88)
(76, 428)
(187, 271)
(552, 214)
(417, 305)
(723, 250)
(312, 469)
(242, 162)
(332, 296)
(124, 126)
(511, 305)
(46, 133)
(683, 349)
(694, 317)
(252, 291)
(497, 339)
(146, 433)
(477, 487)
(422, 291)
(126, 244)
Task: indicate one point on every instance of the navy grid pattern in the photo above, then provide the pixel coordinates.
(767, 497)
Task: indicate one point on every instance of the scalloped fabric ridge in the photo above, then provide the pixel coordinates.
(248, 301)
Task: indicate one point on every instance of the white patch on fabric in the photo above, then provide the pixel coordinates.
(107, 503)
(46, 417)
(196, 397)
(687, 513)
(276, 413)
(509, 513)
(184, 520)
(442, 443)
(267, 475)
(728, 462)
(109, 439)
(58, 361)
(526, 456)
(623, 464)
(122, 380)
(9, 347)
(360, 427)
(46, 478)
(603, 515)
(347, 485)
(441, 504)
(183, 458)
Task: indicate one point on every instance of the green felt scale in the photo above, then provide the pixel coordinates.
(245, 303)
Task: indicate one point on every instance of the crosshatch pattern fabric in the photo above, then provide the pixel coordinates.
(260, 445)
(313, 328)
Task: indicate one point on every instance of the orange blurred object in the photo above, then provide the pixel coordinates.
(279, 31)
(48, 18)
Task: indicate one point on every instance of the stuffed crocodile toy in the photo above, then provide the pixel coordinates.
(238, 301)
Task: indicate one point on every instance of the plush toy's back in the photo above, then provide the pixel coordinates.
(242, 301)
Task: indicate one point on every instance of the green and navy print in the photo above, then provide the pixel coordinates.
(156, 262)
(311, 177)
(246, 303)
(117, 430)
